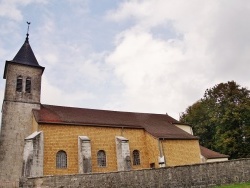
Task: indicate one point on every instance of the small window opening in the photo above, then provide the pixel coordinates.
(101, 158)
(28, 85)
(152, 165)
(61, 159)
(136, 157)
(19, 84)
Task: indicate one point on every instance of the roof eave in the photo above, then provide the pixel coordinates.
(227, 156)
(13, 62)
(177, 138)
(179, 123)
(113, 126)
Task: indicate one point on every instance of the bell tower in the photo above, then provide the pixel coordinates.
(23, 77)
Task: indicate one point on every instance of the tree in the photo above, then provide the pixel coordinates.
(222, 119)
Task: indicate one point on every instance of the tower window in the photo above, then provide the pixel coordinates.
(136, 157)
(61, 159)
(19, 84)
(28, 85)
(101, 158)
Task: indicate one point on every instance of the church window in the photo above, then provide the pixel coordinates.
(28, 85)
(61, 159)
(19, 84)
(101, 158)
(136, 157)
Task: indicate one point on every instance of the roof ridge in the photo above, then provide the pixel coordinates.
(104, 110)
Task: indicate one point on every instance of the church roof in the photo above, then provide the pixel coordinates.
(159, 125)
(24, 56)
(209, 154)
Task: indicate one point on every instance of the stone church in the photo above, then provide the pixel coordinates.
(39, 139)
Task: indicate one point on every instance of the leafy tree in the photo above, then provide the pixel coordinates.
(222, 119)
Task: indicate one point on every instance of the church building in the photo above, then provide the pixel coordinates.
(39, 139)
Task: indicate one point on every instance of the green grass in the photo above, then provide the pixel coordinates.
(241, 185)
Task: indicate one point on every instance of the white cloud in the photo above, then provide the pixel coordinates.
(210, 46)
(154, 73)
(150, 13)
(10, 11)
(164, 54)
(11, 8)
(55, 96)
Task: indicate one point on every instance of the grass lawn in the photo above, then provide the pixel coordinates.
(242, 185)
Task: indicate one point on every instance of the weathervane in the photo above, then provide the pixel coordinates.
(28, 31)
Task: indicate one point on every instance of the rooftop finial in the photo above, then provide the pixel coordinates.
(27, 38)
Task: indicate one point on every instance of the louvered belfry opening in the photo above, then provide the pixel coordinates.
(28, 85)
(19, 84)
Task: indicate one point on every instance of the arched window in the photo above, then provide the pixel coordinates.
(101, 158)
(61, 159)
(28, 85)
(136, 157)
(19, 84)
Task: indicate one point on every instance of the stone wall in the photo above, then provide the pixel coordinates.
(65, 137)
(17, 118)
(16, 126)
(175, 150)
(12, 72)
(198, 175)
(153, 150)
(33, 155)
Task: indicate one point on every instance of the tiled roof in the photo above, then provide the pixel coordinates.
(209, 154)
(158, 125)
(25, 56)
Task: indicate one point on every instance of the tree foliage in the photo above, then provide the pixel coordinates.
(222, 119)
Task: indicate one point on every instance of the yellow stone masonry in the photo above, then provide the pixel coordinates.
(65, 137)
(178, 152)
(153, 150)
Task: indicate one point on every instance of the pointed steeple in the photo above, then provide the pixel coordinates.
(25, 55)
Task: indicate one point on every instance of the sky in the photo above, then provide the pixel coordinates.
(153, 56)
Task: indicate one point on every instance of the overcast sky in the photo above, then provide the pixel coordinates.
(156, 56)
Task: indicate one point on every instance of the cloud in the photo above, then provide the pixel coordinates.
(210, 45)
(150, 70)
(152, 13)
(143, 55)
(11, 8)
(55, 96)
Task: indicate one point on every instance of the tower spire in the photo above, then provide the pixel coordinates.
(25, 55)
(27, 35)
